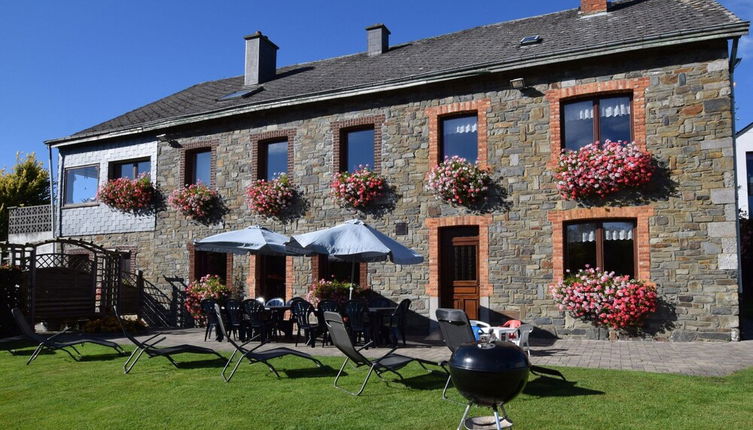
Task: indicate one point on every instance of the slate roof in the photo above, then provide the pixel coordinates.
(628, 24)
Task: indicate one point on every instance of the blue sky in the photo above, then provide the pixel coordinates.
(67, 65)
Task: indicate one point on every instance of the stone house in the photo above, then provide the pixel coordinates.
(510, 96)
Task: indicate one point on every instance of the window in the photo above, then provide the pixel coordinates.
(581, 126)
(604, 244)
(273, 159)
(357, 149)
(199, 167)
(130, 169)
(460, 137)
(81, 185)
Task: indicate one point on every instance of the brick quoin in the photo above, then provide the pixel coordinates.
(339, 127)
(434, 224)
(635, 87)
(435, 113)
(593, 6)
(267, 137)
(641, 214)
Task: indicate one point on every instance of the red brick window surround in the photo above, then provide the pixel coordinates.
(434, 225)
(339, 136)
(188, 151)
(640, 214)
(636, 88)
(436, 114)
(258, 168)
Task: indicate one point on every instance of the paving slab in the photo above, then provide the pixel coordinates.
(689, 358)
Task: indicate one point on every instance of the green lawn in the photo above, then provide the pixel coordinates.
(56, 392)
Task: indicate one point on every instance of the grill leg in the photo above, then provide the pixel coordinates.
(496, 418)
(465, 415)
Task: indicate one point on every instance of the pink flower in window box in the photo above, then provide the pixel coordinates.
(270, 198)
(600, 170)
(357, 189)
(459, 182)
(134, 196)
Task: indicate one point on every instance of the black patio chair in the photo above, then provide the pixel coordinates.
(389, 362)
(253, 355)
(258, 322)
(234, 314)
(303, 312)
(357, 312)
(151, 350)
(50, 343)
(396, 323)
(325, 306)
(277, 317)
(207, 309)
(456, 331)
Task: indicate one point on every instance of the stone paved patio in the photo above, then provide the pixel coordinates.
(691, 358)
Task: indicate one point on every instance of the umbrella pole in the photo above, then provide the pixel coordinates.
(352, 280)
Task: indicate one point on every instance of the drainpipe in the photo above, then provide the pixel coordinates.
(52, 196)
(733, 60)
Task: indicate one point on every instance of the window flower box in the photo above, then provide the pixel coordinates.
(134, 196)
(195, 201)
(357, 189)
(597, 170)
(604, 299)
(207, 287)
(270, 198)
(331, 290)
(459, 182)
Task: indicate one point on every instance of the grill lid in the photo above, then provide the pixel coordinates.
(494, 357)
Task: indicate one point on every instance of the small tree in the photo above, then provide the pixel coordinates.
(26, 185)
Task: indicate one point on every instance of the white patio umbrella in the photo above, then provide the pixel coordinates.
(357, 242)
(250, 240)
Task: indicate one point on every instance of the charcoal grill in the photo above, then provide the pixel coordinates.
(489, 374)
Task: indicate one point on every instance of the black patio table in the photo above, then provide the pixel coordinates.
(276, 314)
(376, 318)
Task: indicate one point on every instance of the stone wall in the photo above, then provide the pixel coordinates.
(690, 232)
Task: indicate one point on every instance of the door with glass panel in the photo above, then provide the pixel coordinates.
(459, 283)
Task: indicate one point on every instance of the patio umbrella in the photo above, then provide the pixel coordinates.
(357, 242)
(250, 240)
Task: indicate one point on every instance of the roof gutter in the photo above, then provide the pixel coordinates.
(711, 33)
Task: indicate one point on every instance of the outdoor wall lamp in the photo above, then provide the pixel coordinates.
(518, 83)
(170, 141)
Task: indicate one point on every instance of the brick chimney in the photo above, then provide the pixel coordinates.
(588, 7)
(378, 39)
(261, 59)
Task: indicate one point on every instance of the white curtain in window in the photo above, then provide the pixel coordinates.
(581, 235)
(467, 125)
(579, 114)
(611, 108)
(625, 233)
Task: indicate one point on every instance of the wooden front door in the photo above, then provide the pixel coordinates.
(459, 283)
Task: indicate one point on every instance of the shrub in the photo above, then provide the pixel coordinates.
(109, 324)
(195, 201)
(207, 287)
(331, 290)
(357, 189)
(605, 299)
(600, 170)
(459, 182)
(270, 198)
(128, 195)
